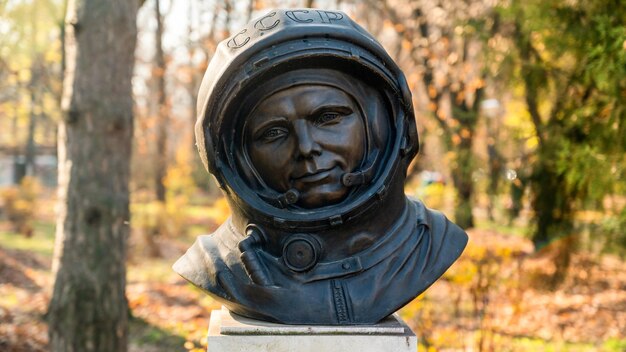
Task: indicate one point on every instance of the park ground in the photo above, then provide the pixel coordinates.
(495, 298)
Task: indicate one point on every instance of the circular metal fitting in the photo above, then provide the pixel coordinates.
(301, 252)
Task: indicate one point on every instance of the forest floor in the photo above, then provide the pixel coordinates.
(496, 298)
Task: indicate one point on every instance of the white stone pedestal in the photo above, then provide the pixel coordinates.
(232, 333)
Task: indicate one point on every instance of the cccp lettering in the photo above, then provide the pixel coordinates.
(262, 24)
(300, 16)
(329, 16)
(238, 40)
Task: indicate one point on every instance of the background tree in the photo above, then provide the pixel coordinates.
(442, 42)
(30, 84)
(571, 62)
(88, 310)
(162, 106)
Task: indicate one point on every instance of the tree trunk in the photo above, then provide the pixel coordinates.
(194, 77)
(161, 142)
(462, 179)
(88, 310)
(551, 201)
(29, 147)
(29, 150)
(463, 163)
(496, 166)
(250, 10)
(18, 170)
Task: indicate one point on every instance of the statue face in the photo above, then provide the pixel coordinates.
(306, 138)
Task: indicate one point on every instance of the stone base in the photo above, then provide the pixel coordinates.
(229, 332)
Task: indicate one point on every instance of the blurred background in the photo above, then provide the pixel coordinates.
(521, 110)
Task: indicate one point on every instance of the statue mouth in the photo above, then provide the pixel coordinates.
(315, 176)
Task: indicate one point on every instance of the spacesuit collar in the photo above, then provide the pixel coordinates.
(405, 227)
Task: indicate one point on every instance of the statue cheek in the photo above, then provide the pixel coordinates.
(347, 141)
(356, 154)
(273, 162)
(352, 145)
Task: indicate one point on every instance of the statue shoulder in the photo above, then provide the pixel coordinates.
(200, 264)
(436, 221)
(446, 239)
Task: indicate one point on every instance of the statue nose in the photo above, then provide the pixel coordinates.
(307, 146)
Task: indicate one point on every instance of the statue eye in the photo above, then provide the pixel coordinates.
(327, 118)
(273, 133)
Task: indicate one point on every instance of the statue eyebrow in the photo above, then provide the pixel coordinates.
(341, 108)
(267, 123)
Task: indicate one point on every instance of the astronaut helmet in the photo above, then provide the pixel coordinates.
(305, 122)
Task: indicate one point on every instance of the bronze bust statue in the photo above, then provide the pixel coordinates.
(308, 126)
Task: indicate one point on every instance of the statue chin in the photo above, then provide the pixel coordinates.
(323, 195)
